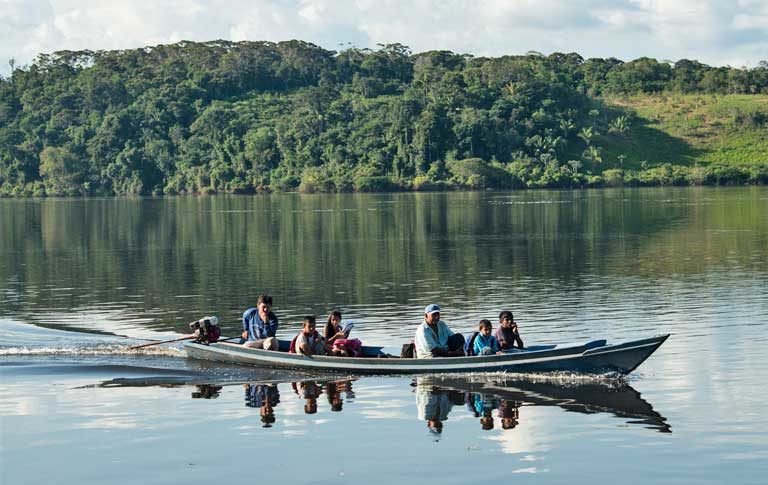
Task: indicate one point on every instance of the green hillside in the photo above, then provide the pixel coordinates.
(244, 117)
(691, 129)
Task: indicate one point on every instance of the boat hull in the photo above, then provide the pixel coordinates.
(589, 358)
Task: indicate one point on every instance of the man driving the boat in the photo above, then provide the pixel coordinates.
(435, 339)
(260, 325)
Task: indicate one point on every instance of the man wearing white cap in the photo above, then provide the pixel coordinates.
(435, 339)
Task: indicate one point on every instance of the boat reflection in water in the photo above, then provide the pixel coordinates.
(436, 396)
(498, 402)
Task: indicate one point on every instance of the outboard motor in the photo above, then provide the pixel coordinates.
(206, 330)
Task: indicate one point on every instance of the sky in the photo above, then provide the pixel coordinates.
(716, 32)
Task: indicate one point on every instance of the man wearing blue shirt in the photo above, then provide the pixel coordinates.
(260, 325)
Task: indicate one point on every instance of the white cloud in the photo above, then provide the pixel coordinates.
(712, 31)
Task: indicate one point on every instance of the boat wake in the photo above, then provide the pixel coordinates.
(21, 339)
(561, 378)
(90, 350)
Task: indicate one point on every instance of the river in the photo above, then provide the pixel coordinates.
(82, 279)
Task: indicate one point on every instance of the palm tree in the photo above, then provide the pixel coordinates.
(620, 125)
(566, 126)
(592, 153)
(586, 134)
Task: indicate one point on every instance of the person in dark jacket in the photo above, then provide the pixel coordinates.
(508, 334)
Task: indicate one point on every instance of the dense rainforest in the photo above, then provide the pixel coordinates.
(243, 117)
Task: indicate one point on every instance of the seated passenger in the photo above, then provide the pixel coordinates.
(485, 343)
(435, 339)
(260, 325)
(308, 341)
(335, 336)
(507, 334)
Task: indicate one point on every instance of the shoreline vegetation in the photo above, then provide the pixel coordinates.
(253, 117)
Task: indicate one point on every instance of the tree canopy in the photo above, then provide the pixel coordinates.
(241, 117)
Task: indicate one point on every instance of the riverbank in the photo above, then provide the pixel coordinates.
(474, 174)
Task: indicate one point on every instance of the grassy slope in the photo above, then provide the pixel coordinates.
(688, 129)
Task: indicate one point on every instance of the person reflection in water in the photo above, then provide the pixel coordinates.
(482, 406)
(509, 412)
(309, 391)
(333, 392)
(433, 405)
(206, 391)
(265, 397)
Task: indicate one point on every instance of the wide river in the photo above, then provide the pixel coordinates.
(82, 279)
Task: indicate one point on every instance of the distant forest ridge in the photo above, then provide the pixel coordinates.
(242, 117)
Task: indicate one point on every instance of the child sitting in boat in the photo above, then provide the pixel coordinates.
(508, 334)
(337, 341)
(485, 343)
(308, 341)
(334, 332)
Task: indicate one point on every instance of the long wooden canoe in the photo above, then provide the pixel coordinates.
(595, 357)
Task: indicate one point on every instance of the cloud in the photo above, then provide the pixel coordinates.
(712, 31)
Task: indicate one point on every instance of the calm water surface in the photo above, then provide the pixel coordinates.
(82, 279)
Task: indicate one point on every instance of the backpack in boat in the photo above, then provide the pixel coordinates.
(292, 348)
(206, 330)
(409, 351)
(469, 345)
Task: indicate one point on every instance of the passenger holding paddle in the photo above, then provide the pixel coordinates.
(435, 339)
(260, 325)
(507, 334)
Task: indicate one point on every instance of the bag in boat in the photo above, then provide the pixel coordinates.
(207, 330)
(469, 345)
(409, 351)
(353, 346)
